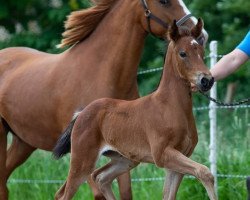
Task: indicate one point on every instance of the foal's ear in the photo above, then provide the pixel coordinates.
(196, 31)
(173, 32)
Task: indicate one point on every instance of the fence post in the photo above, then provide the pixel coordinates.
(248, 188)
(213, 118)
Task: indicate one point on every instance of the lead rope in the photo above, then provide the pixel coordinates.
(243, 101)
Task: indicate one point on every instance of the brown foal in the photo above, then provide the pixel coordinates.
(158, 128)
(39, 92)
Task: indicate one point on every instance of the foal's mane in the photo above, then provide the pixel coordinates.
(80, 24)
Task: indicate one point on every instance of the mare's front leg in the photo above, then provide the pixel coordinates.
(3, 152)
(176, 161)
(17, 154)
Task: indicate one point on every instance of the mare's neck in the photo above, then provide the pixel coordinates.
(114, 49)
(174, 90)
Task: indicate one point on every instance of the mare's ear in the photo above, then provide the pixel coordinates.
(173, 32)
(196, 31)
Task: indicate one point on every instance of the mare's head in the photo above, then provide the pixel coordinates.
(159, 14)
(185, 55)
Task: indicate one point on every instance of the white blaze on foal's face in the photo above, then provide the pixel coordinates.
(194, 42)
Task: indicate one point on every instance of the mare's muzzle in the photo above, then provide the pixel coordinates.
(205, 82)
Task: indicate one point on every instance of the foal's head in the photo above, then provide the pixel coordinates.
(186, 56)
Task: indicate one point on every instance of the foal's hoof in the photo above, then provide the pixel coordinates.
(99, 197)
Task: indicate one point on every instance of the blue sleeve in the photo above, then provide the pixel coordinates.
(245, 44)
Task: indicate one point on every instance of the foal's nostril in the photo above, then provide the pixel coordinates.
(205, 82)
(211, 82)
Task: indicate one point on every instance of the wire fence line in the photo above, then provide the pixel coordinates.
(150, 71)
(149, 179)
(220, 107)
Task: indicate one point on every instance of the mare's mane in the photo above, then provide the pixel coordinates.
(80, 24)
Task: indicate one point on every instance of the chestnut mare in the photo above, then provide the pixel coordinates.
(158, 128)
(39, 91)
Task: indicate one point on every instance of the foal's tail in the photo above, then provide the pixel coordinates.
(63, 144)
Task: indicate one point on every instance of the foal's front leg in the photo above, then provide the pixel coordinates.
(176, 161)
(173, 179)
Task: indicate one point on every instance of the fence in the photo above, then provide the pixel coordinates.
(212, 108)
(213, 120)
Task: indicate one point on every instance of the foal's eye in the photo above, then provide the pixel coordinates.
(183, 54)
(164, 2)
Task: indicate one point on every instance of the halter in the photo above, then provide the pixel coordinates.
(149, 15)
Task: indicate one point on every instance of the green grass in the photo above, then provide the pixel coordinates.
(233, 158)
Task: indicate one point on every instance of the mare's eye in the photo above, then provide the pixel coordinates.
(183, 54)
(164, 2)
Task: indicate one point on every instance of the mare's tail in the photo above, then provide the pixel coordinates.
(63, 144)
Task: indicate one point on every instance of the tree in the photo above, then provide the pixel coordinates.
(36, 24)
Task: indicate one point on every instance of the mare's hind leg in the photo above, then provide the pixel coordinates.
(106, 174)
(3, 152)
(17, 154)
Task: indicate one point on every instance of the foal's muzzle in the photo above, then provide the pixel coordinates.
(205, 82)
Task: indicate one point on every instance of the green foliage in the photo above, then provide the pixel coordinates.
(36, 24)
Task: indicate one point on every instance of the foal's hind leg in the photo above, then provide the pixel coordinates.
(80, 169)
(17, 154)
(3, 152)
(96, 192)
(106, 174)
(124, 183)
(84, 154)
(171, 185)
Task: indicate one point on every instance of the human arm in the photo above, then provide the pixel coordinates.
(233, 60)
(228, 64)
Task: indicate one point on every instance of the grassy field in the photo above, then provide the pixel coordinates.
(233, 158)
